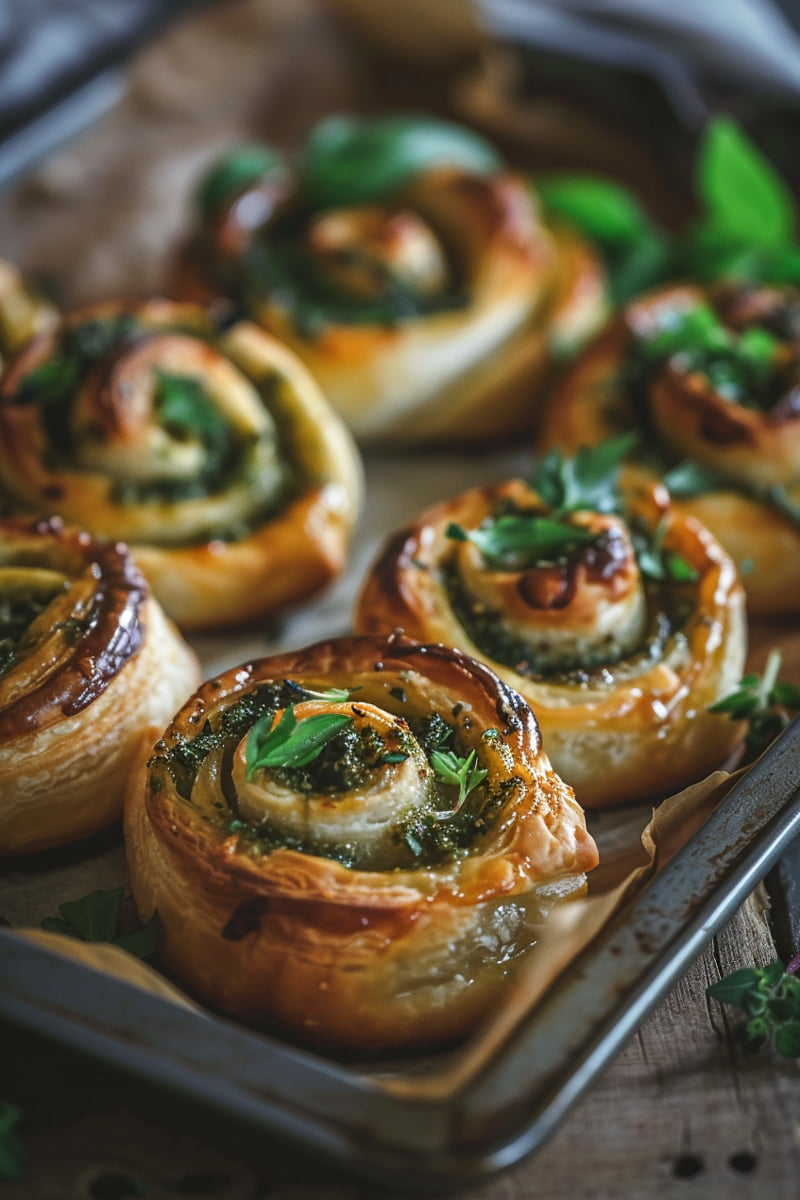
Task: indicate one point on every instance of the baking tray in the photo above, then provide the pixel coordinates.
(456, 1118)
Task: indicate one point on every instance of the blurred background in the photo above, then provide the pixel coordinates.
(110, 109)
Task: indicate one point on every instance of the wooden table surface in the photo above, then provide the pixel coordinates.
(679, 1113)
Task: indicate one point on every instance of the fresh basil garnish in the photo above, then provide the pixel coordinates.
(770, 1000)
(353, 160)
(517, 542)
(586, 480)
(95, 918)
(765, 702)
(291, 743)
(240, 169)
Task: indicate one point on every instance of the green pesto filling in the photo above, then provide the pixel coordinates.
(181, 406)
(424, 836)
(669, 606)
(16, 614)
(289, 275)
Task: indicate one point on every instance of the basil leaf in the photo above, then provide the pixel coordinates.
(144, 942)
(516, 542)
(606, 212)
(296, 743)
(351, 160)
(238, 170)
(747, 201)
(587, 480)
(787, 1039)
(94, 917)
(734, 988)
(690, 479)
(639, 265)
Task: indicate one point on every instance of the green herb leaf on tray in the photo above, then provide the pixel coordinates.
(767, 703)
(604, 210)
(516, 542)
(95, 918)
(769, 997)
(586, 480)
(12, 1153)
(352, 160)
(291, 743)
(452, 769)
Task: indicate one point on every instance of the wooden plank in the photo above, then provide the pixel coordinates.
(680, 1113)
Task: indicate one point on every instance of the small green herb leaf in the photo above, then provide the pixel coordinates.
(12, 1154)
(586, 480)
(690, 479)
(350, 160)
(184, 406)
(770, 999)
(335, 695)
(516, 542)
(605, 211)
(459, 772)
(746, 200)
(95, 918)
(238, 170)
(765, 702)
(291, 743)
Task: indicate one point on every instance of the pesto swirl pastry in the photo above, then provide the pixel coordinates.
(710, 377)
(353, 842)
(87, 663)
(213, 456)
(408, 268)
(618, 629)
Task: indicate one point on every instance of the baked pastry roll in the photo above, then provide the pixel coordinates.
(214, 456)
(87, 662)
(709, 377)
(410, 270)
(619, 631)
(353, 842)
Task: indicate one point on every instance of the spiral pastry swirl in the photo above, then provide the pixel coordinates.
(711, 379)
(213, 456)
(619, 634)
(353, 842)
(427, 303)
(87, 663)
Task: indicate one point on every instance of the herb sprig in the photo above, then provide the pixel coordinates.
(586, 480)
(769, 997)
(515, 542)
(95, 918)
(291, 743)
(747, 228)
(459, 772)
(766, 702)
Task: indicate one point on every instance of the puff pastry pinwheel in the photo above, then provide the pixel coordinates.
(214, 456)
(353, 842)
(87, 663)
(412, 273)
(619, 630)
(710, 378)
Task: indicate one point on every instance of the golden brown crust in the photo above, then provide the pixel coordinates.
(750, 447)
(231, 514)
(459, 370)
(88, 662)
(623, 712)
(355, 956)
